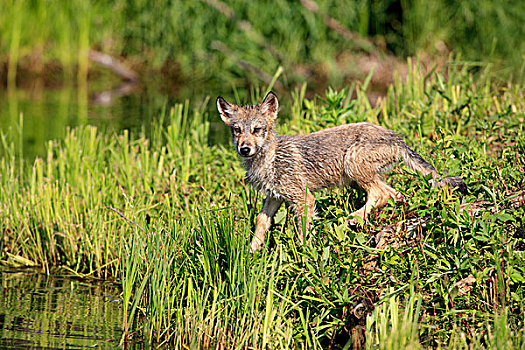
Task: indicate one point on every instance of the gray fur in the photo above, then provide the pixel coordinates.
(290, 167)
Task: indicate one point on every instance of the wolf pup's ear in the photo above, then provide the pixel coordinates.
(270, 105)
(225, 109)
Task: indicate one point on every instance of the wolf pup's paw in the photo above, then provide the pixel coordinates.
(256, 246)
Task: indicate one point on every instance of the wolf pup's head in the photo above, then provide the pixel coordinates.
(250, 125)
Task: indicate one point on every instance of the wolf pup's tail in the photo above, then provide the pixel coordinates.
(455, 182)
(415, 162)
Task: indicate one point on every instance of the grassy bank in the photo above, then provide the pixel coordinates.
(170, 217)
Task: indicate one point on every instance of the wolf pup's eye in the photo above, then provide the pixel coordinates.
(257, 130)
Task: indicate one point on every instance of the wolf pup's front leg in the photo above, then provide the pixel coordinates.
(264, 220)
(256, 143)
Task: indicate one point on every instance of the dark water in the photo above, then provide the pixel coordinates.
(33, 115)
(38, 311)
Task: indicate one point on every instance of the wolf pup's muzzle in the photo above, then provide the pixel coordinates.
(246, 151)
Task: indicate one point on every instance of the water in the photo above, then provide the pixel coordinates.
(33, 115)
(51, 312)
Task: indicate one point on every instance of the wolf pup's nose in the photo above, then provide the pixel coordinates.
(245, 151)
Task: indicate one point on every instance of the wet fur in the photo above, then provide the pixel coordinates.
(290, 167)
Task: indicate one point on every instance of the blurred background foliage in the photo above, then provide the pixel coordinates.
(237, 42)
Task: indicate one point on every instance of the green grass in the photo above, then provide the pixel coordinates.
(169, 216)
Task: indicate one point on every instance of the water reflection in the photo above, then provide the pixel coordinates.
(47, 112)
(109, 97)
(49, 312)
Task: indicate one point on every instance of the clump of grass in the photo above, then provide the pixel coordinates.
(171, 217)
(390, 328)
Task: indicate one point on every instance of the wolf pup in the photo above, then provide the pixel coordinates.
(291, 167)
